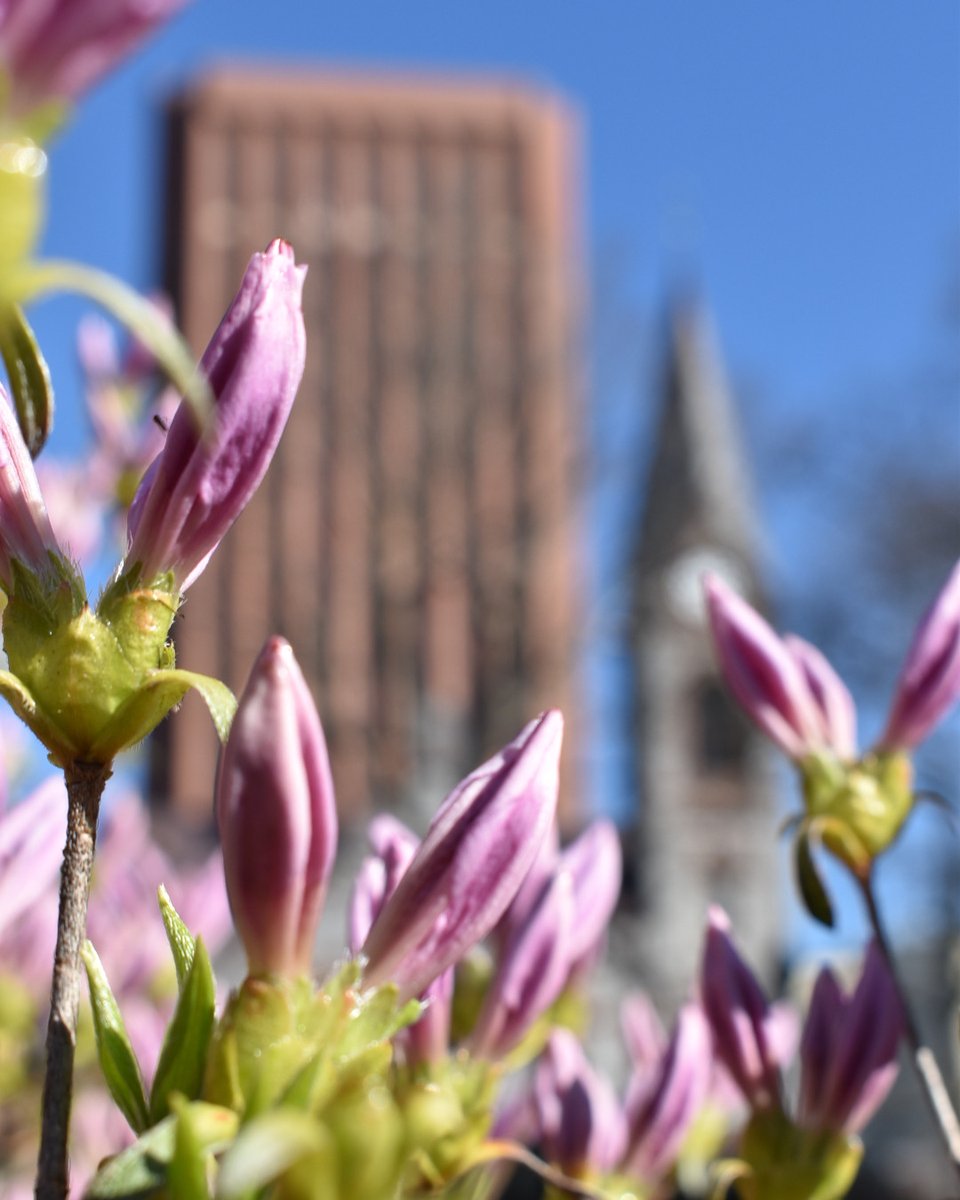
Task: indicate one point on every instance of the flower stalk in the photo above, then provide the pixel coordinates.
(85, 784)
(925, 1065)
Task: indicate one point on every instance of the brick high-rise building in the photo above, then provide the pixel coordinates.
(415, 538)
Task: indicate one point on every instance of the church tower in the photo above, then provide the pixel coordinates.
(706, 821)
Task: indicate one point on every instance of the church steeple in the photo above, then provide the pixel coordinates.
(705, 824)
(698, 493)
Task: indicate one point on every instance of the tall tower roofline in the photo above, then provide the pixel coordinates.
(697, 493)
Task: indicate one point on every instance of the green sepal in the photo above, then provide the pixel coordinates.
(24, 705)
(789, 1162)
(119, 1065)
(367, 1128)
(133, 311)
(811, 886)
(163, 690)
(376, 1017)
(141, 1169)
(182, 942)
(184, 1052)
(724, 1174)
(23, 196)
(44, 120)
(265, 1148)
(448, 1110)
(29, 377)
(283, 1040)
(315, 1079)
(187, 1172)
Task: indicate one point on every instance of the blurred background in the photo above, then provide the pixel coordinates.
(598, 298)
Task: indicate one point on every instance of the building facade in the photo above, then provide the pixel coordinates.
(414, 538)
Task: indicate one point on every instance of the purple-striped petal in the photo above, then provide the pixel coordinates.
(476, 853)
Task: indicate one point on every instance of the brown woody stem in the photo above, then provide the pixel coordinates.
(925, 1065)
(85, 784)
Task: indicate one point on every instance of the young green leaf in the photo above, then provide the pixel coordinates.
(29, 378)
(184, 1052)
(133, 310)
(187, 1172)
(117, 1059)
(141, 1169)
(812, 891)
(178, 935)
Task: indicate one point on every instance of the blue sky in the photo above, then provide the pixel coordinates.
(803, 160)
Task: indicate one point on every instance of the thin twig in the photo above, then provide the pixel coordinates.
(85, 784)
(506, 1151)
(931, 1079)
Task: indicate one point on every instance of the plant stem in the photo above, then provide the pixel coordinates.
(85, 784)
(931, 1079)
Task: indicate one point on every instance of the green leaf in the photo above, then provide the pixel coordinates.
(117, 1059)
(141, 1169)
(181, 940)
(29, 378)
(149, 704)
(183, 1057)
(266, 1147)
(132, 310)
(812, 890)
(187, 1172)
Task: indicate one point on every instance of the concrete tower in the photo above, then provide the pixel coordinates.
(706, 823)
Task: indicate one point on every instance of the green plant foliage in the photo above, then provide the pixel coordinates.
(114, 1052)
(182, 1058)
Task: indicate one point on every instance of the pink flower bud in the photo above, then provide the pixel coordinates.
(838, 715)
(581, 1125)
(276, 813)
(929, 683)
(657, 1127)
(848, 1052)
(595, 863)
(59, 48)
(26, 535)
(394, 847)
(530, 974)
(477, 851)
(761, 672)
(198, 485)
(739, 1016)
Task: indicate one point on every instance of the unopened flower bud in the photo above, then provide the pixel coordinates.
(761, 672)
(394, 846)
(657, 1127)
(476, 853)
(838, 714)
(929, 683)
(59, 48)
(530, 975)
(848, 1052)
(26, 536)
(581, 1125)
(276, 814)
(739, 1016)
(199, 484)
(595, 863)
